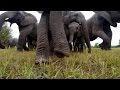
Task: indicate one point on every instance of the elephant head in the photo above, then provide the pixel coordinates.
(109, 16)
(5, 17)
(115, 16)
(19, 17)
(74, 28)
(25, 21)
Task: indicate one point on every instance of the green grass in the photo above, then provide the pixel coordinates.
(99, 64)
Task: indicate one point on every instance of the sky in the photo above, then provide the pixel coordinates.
(87, 14)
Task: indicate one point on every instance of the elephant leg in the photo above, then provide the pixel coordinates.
(106, 39)
(24, 32)
(70, 45)
(67, 35)
(82, 44)
(30, 45)
(75, 45)
(61, 46)
(25, 48)
(1, 46)
(75, 48)
(43, 49)
(109, 34)
(101, 45)
(86, 35)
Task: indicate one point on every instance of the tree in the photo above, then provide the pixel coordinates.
(5, 34)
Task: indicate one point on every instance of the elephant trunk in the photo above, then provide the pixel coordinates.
(71, 37)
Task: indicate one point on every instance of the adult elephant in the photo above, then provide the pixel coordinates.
(12, 42)
(51, 38)
(99, 26)
(76, 29)
(26, 23)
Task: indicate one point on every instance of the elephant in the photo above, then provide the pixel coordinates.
(32, 43)
(78, 41)
(32, 38)
(1, 45)
(12, 42)
(26, 23)
(99, 26)
(51, 38)
(76, 30)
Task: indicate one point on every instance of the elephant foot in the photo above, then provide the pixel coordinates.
(89, 50)
(25, 48)
(40, 60)
(61, 54)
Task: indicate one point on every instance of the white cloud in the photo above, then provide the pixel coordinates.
(87, 14)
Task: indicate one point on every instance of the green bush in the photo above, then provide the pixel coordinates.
(5, 34)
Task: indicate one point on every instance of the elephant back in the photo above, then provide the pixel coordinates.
(28, 19)
(106, 16)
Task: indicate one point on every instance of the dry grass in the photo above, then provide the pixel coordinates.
(99, 64)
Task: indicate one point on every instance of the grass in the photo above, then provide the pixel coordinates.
(99, 64)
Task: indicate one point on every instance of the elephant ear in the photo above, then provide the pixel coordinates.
(66, 19)
(106, 16)
(28, 19)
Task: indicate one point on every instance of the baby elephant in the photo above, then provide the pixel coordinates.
(78, 39)
(76, 31)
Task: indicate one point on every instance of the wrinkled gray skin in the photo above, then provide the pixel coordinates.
(99, 26)
(12, 42)
(76, 28)
(25, 21)
(51, 38)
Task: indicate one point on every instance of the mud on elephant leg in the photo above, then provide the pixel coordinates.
(22, 37)
(61, 46)
(43, 49)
